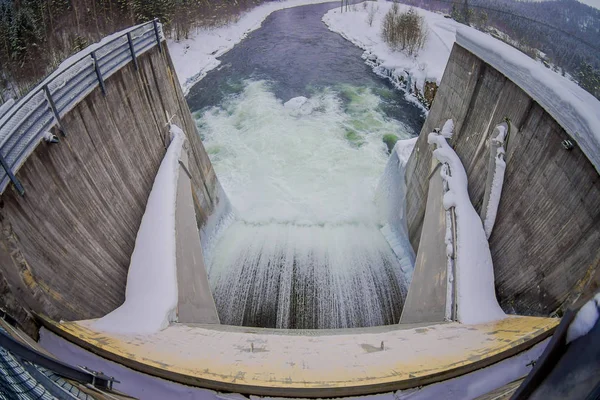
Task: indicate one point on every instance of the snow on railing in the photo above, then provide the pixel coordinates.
(576, 110)
(24, 126)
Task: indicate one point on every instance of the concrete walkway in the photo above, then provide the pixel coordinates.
(312, 363)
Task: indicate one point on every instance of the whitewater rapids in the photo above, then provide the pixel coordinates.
(303, 248)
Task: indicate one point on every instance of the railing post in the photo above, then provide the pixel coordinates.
(54, 110)
(132, 50)
(12, 176)
(98, 73)
(155, 22)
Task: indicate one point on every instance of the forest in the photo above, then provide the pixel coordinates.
(36, 35)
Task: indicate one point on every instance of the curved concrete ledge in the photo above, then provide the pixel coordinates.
(313, 363)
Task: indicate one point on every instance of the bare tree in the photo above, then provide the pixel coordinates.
(404, 31)
(371, 13)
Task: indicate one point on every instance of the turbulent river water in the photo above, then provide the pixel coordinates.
(303, 248)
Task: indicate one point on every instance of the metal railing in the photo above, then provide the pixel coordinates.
(25, 124)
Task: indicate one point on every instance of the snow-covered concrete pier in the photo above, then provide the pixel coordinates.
(66, 245)
(544, 243)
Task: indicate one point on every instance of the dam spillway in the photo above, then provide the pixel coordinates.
(304, 249)
(260, 362)
(295, 136)
(301, 277)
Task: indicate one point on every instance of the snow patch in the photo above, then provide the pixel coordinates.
(475, 291)
(404, 149)
(584, 321)
(151, 294)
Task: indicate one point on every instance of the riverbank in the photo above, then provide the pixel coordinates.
(195, 57)
(409, 73)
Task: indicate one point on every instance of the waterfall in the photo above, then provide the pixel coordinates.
(303, 248)
(306, 276)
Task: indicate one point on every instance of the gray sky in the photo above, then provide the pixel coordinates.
(593, 3)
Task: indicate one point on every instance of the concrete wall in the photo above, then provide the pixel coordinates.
(65, 246)
(545, 241)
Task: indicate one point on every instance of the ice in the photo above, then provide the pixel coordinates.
(404, 149)
(151, 293)
(390, 199)
(497, 182)
(475, 292)
(584, 321)
(295, 103)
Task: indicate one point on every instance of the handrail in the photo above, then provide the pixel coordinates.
(79, 374)
(24, 125)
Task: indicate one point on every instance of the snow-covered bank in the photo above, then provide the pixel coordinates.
(577, 111)
(151, 291)
(195, 57)
(429, 64)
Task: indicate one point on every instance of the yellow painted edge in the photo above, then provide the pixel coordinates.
(513, 335)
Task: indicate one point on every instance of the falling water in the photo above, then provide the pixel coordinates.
(304, 249)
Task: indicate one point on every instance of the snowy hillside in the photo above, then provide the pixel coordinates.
(429, 63)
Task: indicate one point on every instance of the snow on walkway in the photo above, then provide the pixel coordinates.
(195, 57)
(431, 60)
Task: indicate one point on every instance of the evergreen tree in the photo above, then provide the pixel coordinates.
(589, 79)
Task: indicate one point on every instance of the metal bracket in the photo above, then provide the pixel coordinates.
(54, 110)
(155, 23)
(12, 176)
(567, 144)
(132, 50)
(98, 73)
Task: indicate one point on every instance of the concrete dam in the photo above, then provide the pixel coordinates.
(103, 161)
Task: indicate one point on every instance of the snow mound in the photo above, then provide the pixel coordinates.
(475, 291)
(151, 294)
(584, 321)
